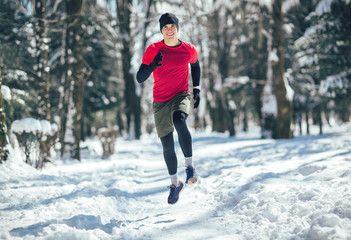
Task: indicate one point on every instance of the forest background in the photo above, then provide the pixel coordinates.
(282, 65)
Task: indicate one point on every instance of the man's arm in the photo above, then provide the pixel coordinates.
(145, 70)
(195, 75)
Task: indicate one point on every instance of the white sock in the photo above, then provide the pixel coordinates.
(188, 161)
(174, 179)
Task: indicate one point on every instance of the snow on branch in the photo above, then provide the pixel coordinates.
(273, 57)
(6, 92)
(334, 82)
(28, 125)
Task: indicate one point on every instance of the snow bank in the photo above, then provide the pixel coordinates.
(248, 189)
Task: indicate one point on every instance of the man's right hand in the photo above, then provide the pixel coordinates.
(157, 61)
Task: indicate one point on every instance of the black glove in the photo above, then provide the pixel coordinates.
(196, 92)
(157, 61)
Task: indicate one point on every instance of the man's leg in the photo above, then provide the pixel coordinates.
(184, 136)
(170, 157)
(171, 162)
(185, 142)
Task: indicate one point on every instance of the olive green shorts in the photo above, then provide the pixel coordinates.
(163, 112)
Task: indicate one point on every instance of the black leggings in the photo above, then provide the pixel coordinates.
(184, 138)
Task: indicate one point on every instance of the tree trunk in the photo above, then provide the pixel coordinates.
(284, 117)
(147, 123)
(64, 91)
(344, 111)
(221, 114)
(258, 72)
(42, 59)
(268, 100)
(72, 108)
(245, 118)
(42, 71)
(148, 4)
(132, 110)
(307, 119)
(3, 128)
(317, 116)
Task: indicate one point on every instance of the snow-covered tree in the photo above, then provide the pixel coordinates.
(42, 69)
(104, 86)
(303, 86)
(41, 47)
(74, 80)
(17, 60)
(221, 31)
(323, 55)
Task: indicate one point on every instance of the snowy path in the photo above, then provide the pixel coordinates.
(249, 189)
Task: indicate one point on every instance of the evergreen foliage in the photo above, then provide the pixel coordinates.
(103, 89)
(16, 59)
(321, 74)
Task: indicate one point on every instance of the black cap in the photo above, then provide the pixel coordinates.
(168, 18)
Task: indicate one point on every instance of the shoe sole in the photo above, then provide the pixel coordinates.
(191, 181)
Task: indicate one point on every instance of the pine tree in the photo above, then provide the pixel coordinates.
(296, 18)
(104, 87)
(17, 56)
(324, 59)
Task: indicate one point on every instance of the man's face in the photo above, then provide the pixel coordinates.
(169, 32)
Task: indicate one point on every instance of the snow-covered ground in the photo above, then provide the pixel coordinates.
(248, 189)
